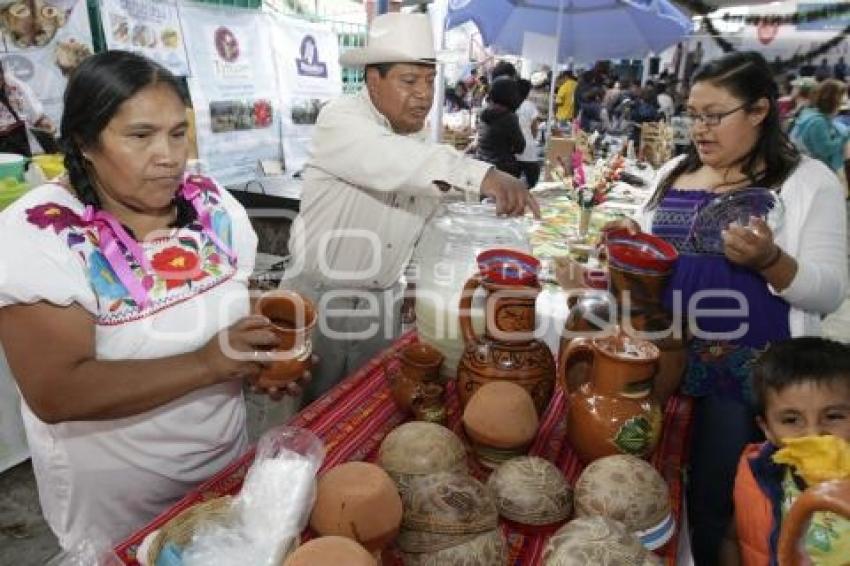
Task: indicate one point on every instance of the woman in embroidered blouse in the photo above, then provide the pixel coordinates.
(772, 285)
(125, 308)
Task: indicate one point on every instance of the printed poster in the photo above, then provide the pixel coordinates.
(147, 27)
(41, 42)
(309, 75)
(234, 91)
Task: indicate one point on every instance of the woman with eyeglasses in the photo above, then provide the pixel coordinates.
(746, 285)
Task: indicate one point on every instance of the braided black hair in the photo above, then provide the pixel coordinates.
(95, 92)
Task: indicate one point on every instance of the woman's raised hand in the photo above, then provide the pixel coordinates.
(751, 245)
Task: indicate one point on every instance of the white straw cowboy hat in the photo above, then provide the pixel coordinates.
(395, 38)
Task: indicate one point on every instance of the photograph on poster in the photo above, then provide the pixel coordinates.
(69, 54)
(143, 36)
(233, 115)
(170, 38)
(32, 24)
(120, 28)
(149, 28)
(306, 110)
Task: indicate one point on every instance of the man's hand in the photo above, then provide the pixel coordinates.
(511, 195)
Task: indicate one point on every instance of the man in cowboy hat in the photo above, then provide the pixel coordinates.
(372, 181)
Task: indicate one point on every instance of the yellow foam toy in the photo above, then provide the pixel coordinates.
(816, 458)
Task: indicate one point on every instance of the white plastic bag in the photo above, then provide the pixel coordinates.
(272, 508)
(93, 550)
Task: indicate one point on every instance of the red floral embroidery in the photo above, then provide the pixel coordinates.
(51, 215)
(177, 266)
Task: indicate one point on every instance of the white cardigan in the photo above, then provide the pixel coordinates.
(814, 233)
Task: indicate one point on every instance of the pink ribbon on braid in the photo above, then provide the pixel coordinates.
(192, 191)
(110, 234)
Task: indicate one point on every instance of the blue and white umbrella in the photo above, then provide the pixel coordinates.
(587, 30)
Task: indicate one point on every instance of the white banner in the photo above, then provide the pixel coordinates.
(147, 27)
(233, 89)
(41, 49)
(309, 74)
(785, 41)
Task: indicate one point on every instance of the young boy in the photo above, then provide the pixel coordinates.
(802, 389)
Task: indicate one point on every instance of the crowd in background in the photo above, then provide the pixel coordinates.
(812, 104)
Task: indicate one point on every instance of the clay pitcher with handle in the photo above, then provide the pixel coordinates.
(613, 411)
(415, 386)
(508, 350)
(831, 496)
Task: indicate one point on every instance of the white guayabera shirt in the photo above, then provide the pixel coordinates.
(367, 194)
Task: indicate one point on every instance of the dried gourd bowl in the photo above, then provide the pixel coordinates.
(418, 449)
(531, 491)
(449, 503)
(629, 490)
(596, 540)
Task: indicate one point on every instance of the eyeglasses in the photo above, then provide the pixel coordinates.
(710, 119)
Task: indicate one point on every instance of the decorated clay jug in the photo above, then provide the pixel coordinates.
(613, 410)
(508, 350)
(831, 496)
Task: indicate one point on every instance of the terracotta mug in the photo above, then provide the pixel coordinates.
(293, 318)
(419, 366)
(428, 403)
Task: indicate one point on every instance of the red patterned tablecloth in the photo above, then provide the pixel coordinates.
(354, 417)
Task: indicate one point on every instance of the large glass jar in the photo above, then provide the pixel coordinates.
(445, 258)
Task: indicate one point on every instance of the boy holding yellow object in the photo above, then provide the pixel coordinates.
(802, 392)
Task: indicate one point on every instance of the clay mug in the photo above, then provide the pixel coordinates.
(831, 496)
(428, 403)
(415, 383)
(293, 317)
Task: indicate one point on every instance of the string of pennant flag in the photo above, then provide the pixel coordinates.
(827, 12)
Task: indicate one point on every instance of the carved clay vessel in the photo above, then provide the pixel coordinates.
(508, 350)
(293, 318)
(416, 385)
(831, 496)
(613, 411)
